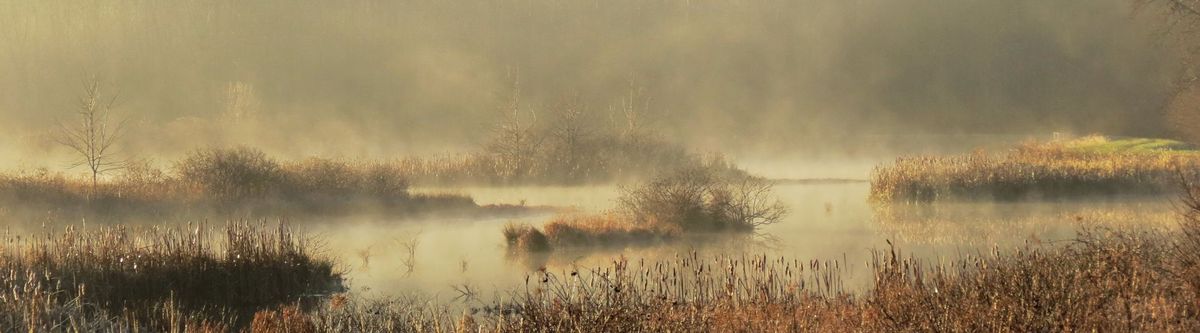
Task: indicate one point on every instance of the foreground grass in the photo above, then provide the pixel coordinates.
(1105, 280)
(154, 278)
(1055, 170)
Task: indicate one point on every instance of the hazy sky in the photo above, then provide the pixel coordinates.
(378, 78)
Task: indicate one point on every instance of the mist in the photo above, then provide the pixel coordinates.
(817, 78)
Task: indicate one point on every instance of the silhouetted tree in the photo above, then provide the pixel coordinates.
(92, 137)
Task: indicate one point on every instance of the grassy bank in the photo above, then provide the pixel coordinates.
(1092, 166)
(155, 279)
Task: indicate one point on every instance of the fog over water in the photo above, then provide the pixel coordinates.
(800, 79)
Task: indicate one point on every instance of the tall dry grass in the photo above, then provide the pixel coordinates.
(1031, 171)
(158, 277)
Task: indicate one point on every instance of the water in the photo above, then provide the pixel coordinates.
(826, 222)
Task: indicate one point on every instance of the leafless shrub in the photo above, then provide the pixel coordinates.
(700, 199)
(409, 246)
(693, 200)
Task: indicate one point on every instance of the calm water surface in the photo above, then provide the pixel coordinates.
(827, 222)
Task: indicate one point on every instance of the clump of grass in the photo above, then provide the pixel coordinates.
(685, 293)
(1052, 170)
(524, 238)
(36, 307)
(126, 272)
(592, 230)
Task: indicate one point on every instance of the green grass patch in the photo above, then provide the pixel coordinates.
(1108, 145)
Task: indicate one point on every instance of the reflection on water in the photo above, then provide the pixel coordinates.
(827, 222)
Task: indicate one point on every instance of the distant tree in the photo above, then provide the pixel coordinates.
(571, 152)
(91, 137)
(1183, 113)
(1181, 30)
(513, 143)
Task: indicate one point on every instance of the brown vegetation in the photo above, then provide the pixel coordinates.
(685, 201)
(239, 182)
(1031, 171)
(1104, 280)
(88, 280)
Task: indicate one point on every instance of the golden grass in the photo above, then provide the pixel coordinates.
(1031, 171)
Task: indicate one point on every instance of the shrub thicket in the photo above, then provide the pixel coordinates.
(684, 201)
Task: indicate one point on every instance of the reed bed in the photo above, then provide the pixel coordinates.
(124, 276)
(1034, 171)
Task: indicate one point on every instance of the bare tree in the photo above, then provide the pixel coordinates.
(1180, 30)
(632, 119)
(92, 137)
(571, 153)
(513, 142)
